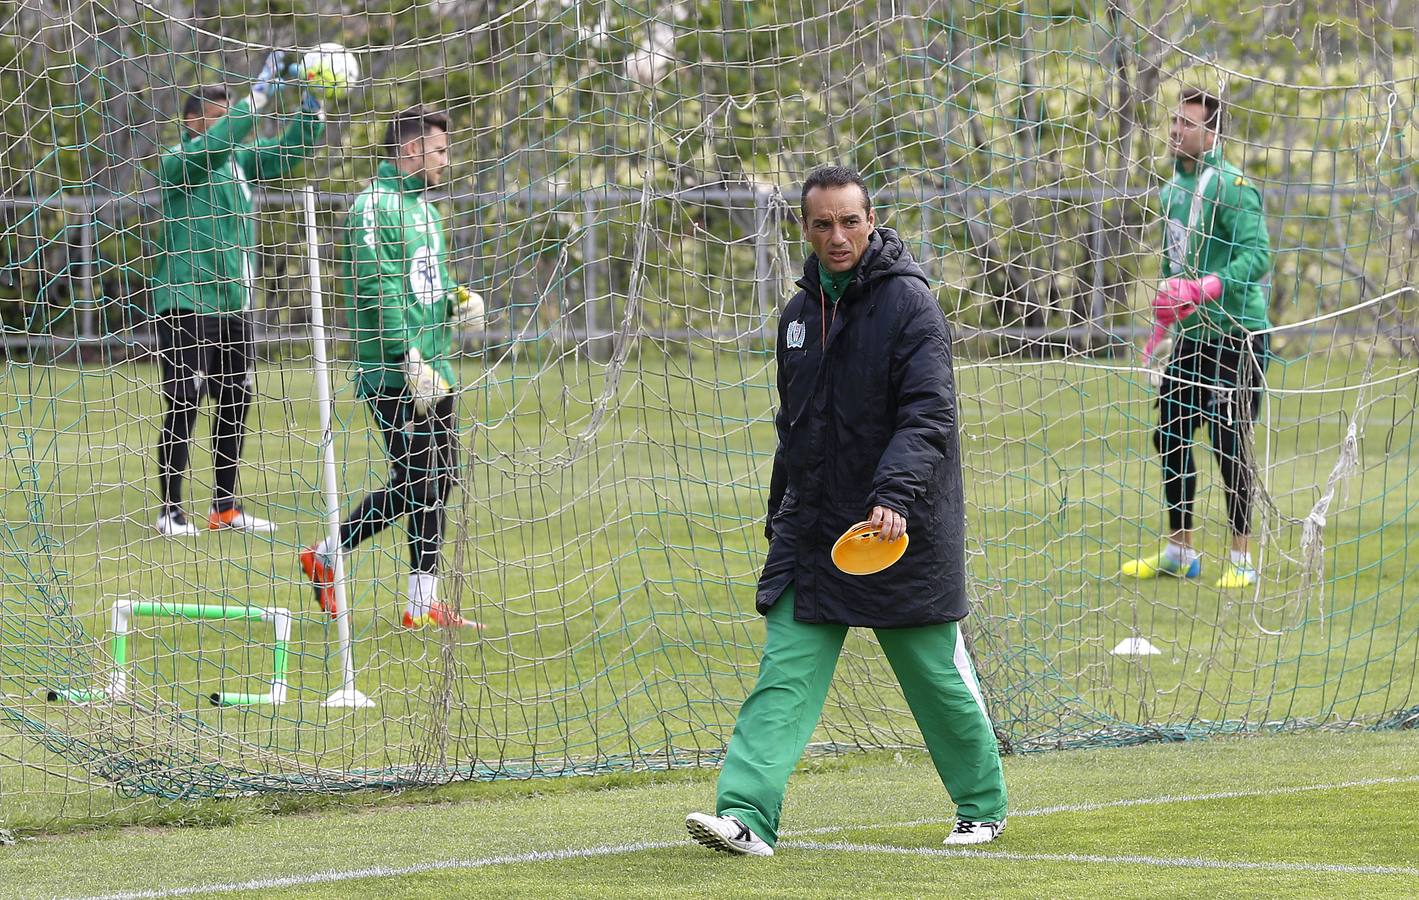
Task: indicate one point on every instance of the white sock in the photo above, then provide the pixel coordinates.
(1241, 559)
(423, 593)
(323, 548)
(1179, 553)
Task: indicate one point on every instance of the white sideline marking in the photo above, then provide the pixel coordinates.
(538, 856)
(260, 884)
(1179, 862)
(1139, 801)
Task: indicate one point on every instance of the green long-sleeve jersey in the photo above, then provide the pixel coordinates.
(1213, 224)
(397, 280)
(205, 246)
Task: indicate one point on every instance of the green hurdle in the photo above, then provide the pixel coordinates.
(121, 620)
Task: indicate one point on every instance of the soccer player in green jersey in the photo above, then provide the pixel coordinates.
(406, 307)
(203, 283)
(1217, 255)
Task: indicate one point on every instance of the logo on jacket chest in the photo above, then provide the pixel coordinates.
(797, 331)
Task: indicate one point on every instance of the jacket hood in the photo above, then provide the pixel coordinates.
(885, 257)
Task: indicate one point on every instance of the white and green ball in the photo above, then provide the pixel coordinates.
(330, 71)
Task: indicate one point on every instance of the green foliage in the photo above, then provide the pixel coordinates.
(998, 98)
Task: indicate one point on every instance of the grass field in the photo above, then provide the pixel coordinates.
(1299, 815)
(610, 537)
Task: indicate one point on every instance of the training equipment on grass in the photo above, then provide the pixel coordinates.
(624, 196)
(861, 552)
(125, 611)
(329, 71)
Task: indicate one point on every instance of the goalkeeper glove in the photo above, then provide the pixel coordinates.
(1179, 297)
(468, 308)
(268, 80)
(425, 384)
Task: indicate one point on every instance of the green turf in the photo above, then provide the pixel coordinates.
(880, 800)
(611, 537)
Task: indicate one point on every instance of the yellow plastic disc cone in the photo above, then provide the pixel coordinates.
(858, 552)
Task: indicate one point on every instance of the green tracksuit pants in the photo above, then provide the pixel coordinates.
(779, 717)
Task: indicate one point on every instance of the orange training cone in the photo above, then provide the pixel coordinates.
(859, 552)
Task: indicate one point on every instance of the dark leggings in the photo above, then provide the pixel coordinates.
(423, 463)
(1218, 382)
(204, 355)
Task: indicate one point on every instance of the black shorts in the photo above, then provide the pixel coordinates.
(202, 353)
(1220, 380)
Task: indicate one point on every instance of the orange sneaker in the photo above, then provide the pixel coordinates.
(440, 616)
(321, 573)
(235, 520)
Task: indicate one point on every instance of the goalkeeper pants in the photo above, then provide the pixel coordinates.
(204, 355)
(1236, 367)
(779, 717)
(422, 465)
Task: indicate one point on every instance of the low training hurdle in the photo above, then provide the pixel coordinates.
(125, 611)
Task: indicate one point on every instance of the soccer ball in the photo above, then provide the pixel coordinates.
(329, 70)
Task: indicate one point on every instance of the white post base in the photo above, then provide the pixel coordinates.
(348, 698)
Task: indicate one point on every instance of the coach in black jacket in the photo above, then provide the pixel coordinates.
(866, 429)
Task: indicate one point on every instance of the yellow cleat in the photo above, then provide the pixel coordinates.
(1158, 565)
(1235, 577)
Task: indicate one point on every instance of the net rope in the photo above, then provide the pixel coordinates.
(624, 195)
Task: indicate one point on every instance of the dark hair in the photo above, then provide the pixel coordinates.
(1210, 102)
(830, 177)
(210, 93)
(416, 121)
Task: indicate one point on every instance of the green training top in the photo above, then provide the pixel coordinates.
(834, 283)
(1213, 224)
(205, 247)
(397, 280)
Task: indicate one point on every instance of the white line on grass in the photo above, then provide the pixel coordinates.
(537, 856)
(1179, 862)
(1138, 801)
(334, 875)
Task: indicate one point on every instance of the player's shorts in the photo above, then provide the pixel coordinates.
(202, 353)
(1221, 378)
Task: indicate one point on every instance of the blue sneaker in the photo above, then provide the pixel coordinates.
(1160, 564)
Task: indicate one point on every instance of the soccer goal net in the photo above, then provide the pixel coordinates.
(623, 195)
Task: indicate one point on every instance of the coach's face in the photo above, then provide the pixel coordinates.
(839, 224)
(1188, 136)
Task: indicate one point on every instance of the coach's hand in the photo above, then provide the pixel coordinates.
(890, 524)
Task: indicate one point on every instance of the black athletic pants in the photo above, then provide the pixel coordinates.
(423, 455)
(1218, 382)
(204, 355)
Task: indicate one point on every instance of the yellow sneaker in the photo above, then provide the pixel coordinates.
(1235, 577)
(1160, 564)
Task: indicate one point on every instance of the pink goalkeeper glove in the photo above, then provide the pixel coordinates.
(1176, 300)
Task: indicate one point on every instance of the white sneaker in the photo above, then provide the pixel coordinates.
(974, 832)
(172, 522)
(726, 833)
(235, 519)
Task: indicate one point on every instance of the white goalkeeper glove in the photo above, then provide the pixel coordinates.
(426, 385)
(468, 308)
(268, 80)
